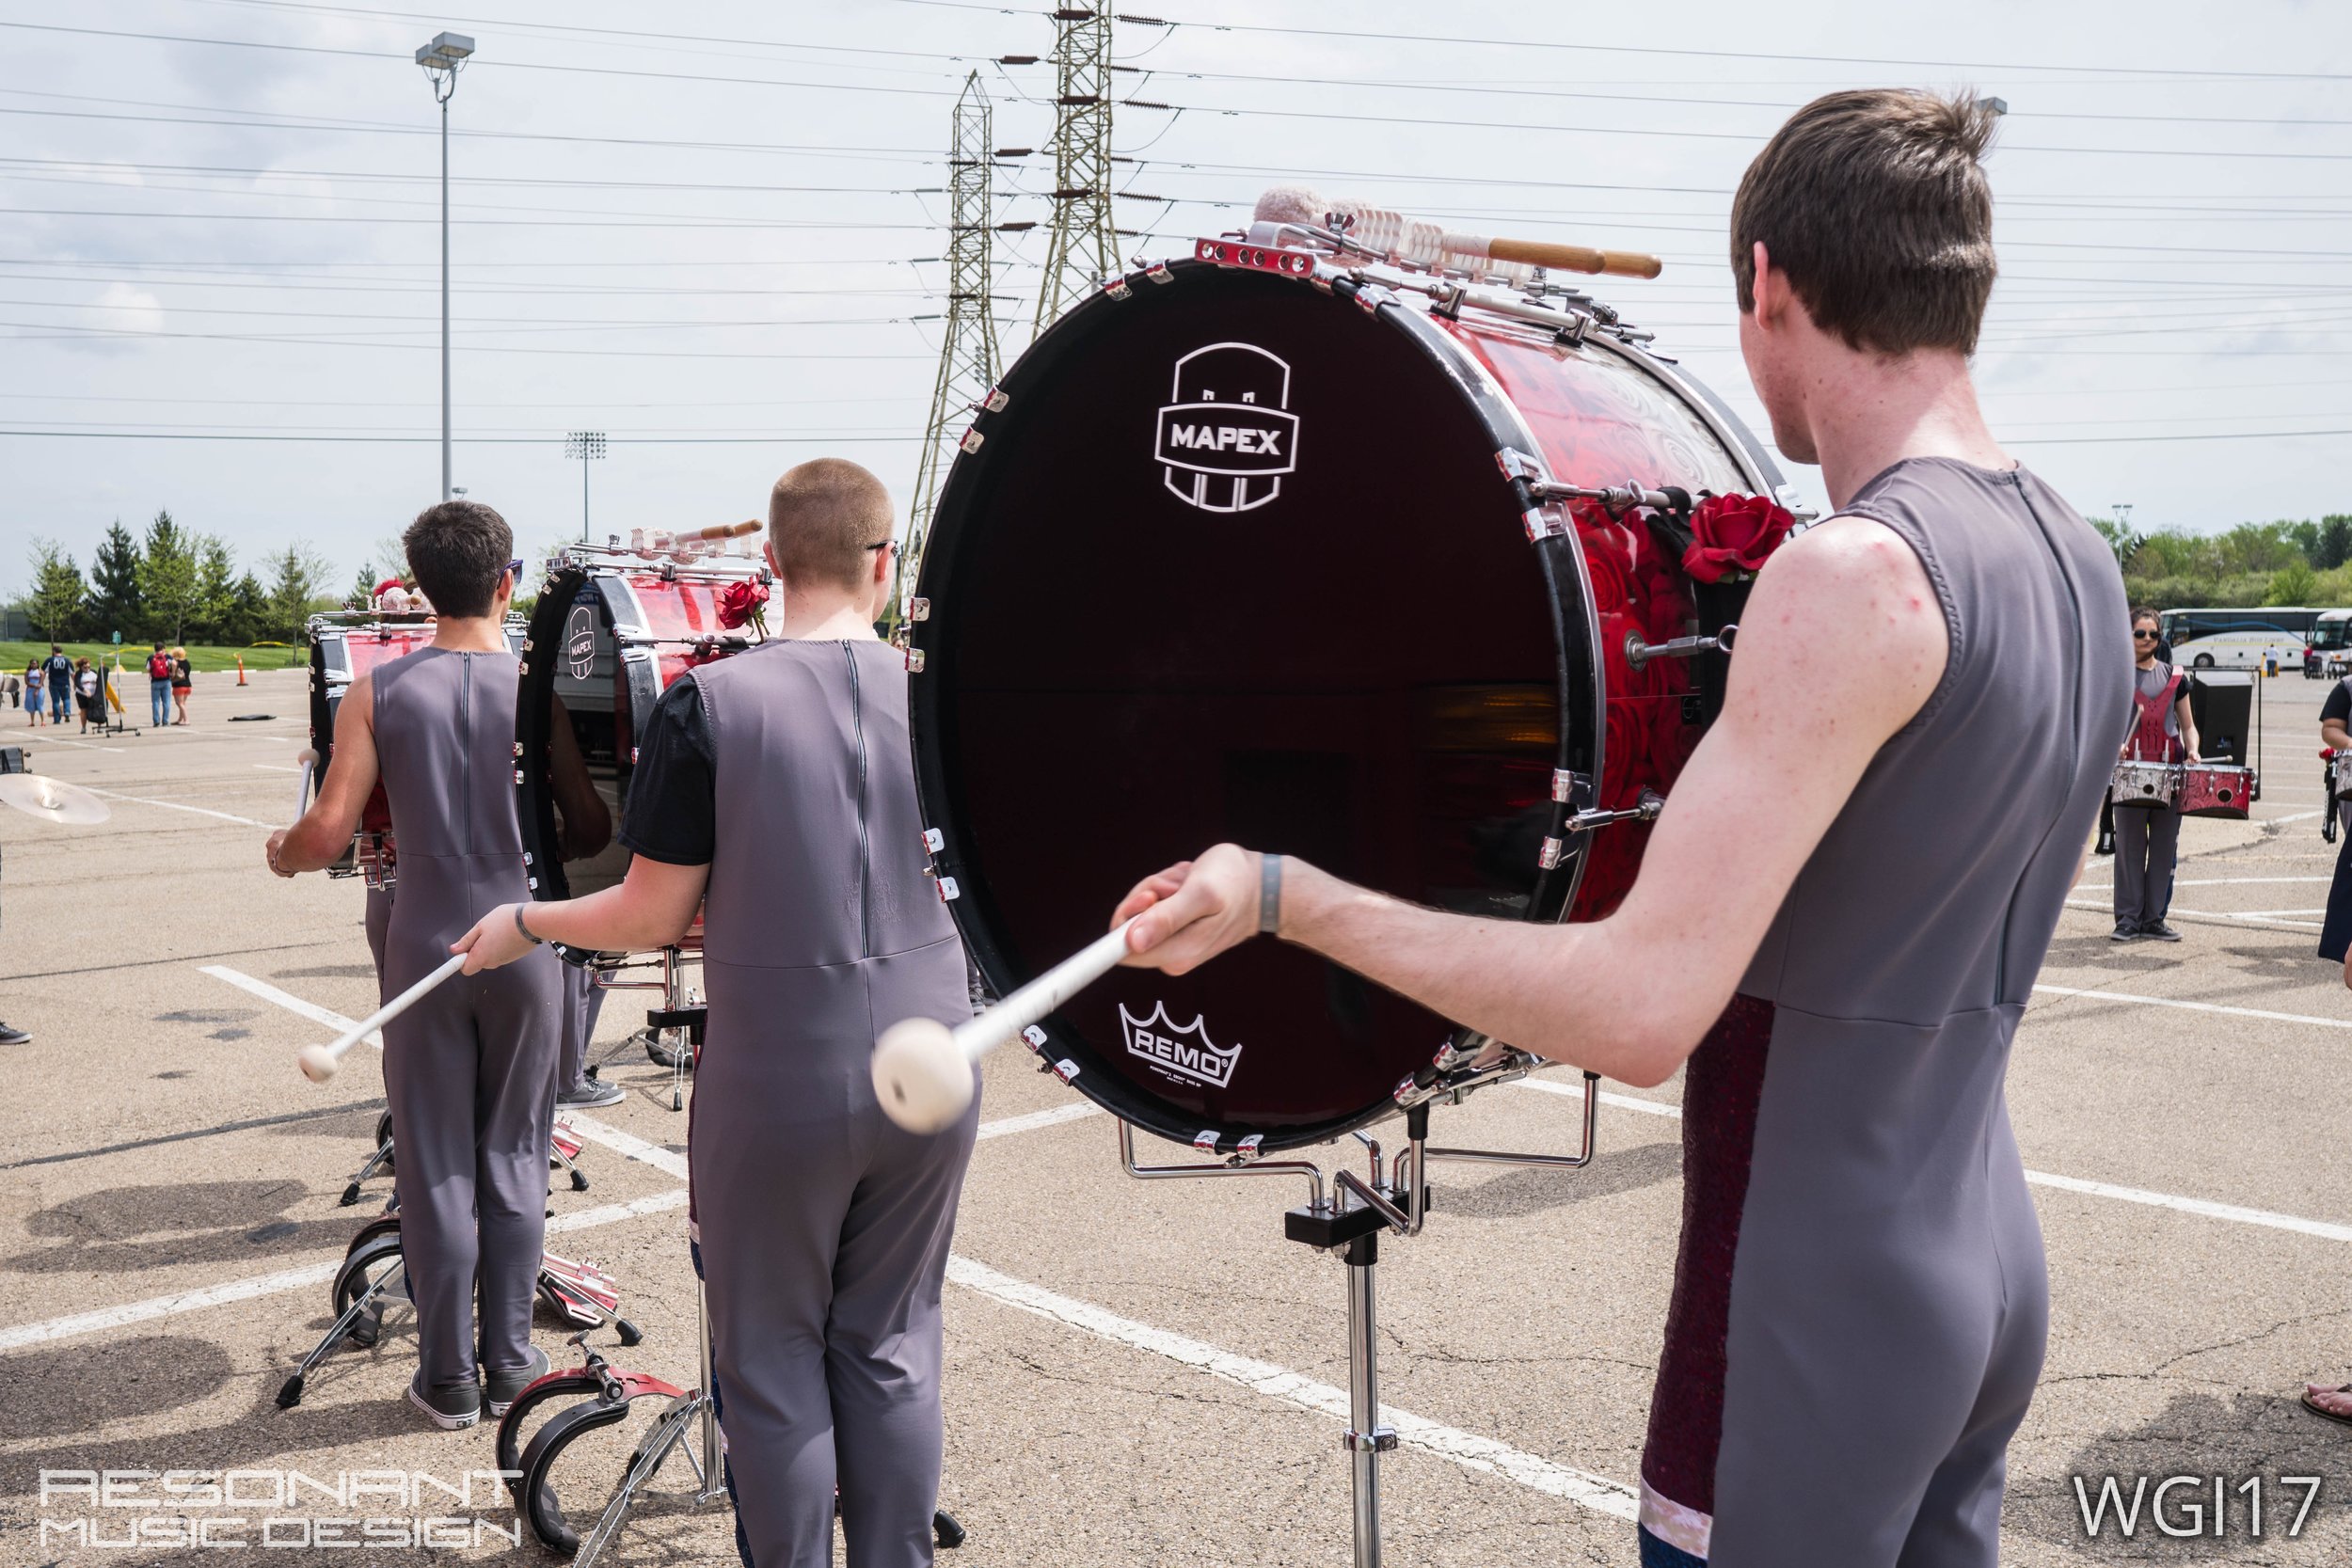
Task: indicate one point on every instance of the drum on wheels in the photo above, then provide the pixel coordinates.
(1287, 560)
(612, 630)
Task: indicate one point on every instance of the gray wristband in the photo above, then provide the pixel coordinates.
(525, 930)
(1269, 895)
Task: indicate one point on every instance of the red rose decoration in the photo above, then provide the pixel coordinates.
(1731, 536)
(1606, 565)
(739, 602)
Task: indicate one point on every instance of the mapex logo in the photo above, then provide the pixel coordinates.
(1227, 436)
(1184, 1052)
(580, 640)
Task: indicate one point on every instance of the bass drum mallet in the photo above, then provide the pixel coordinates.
(923, 1069)
(321, 1062)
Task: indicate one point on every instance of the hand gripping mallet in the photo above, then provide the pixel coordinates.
(321, 1062)
(923, 1069)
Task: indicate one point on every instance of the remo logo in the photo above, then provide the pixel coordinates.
(1178, 1053)
(1227, 435)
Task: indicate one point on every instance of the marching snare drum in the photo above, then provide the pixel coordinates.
(612, 630)
(2145, 783)
(2215, 789)
(1265, 556)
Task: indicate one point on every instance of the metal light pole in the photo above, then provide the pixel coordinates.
(585, 445)
(441, 60)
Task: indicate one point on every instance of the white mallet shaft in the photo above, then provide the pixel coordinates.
(309, 761)
(923, 1069)
(321, 1062)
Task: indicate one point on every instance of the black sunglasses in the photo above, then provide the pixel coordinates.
(516, 568)
(883, 546)
(2136, 634)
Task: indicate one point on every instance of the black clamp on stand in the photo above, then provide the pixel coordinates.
(1350, 1223)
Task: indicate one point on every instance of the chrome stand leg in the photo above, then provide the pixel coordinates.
(1367, 1439)
(714, 1482)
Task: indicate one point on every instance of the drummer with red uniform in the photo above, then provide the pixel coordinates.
(2148, 838)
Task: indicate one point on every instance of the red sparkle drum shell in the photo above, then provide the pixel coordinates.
(1236, 560)
(608, 635)
(2216, 789)
(342, 648)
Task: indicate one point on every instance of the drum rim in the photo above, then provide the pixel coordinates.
(1566, 579)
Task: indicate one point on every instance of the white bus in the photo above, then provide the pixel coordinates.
(2218, 638)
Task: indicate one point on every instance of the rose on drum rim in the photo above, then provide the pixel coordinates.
(1731, 537)
(739, 602)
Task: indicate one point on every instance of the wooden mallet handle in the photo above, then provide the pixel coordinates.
(724, 531)
(1574, 258)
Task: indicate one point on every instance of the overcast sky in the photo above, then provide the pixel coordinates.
(719, 235)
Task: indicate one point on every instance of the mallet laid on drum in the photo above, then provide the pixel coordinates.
(923, 1069)
(321, 1062)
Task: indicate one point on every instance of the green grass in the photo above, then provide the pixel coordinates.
(15, 655)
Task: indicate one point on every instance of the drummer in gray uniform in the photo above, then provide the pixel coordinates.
(775, 790)
(470, 1069)
(1935, 679)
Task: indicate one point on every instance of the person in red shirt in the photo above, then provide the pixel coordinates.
(159, 686)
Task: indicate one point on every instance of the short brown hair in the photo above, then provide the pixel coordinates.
(1876, 206)
(2145, 612)
(457, 550)
(823, 517)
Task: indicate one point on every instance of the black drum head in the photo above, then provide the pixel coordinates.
(1236, 562)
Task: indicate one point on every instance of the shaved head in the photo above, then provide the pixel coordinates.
(824, 518)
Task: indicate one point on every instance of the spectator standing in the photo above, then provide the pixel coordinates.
(159, 687)
(32, 691)
(90, 687)
(2148, 838)
(182, 681)
(58, 671)
(16, 689)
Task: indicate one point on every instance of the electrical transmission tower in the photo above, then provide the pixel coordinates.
(1084, 249)
(967, 355)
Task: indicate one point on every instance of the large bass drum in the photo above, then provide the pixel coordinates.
(1265, 556)
(612, 630)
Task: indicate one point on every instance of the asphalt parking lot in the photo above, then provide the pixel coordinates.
(1139, 1372)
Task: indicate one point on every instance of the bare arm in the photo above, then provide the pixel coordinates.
(2332, 732)
(587, 821)
(1842, 644)
(317, 841)
(2188, 724)
(653, 907)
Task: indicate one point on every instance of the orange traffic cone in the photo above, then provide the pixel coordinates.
(241, 668)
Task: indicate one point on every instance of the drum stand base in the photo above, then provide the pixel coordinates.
(1396, 1198)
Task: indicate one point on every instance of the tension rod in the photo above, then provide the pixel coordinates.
(1638, 653)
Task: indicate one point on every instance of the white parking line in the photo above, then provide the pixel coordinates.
(77, 1324)
(35, 737)
(174, 805)
(279, 767)
(2238, 917)
(287, 999)
(2196, 1006)
(1034, 1119)
(1465, 1448)
(2236, 1214)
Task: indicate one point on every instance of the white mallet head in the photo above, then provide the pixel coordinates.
(920, 1076)
(318, 1064)
(307, 757)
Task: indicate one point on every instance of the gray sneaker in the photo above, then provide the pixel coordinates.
(589, 1093)
(451, 1409)
(2125, 931)
(501, 1389)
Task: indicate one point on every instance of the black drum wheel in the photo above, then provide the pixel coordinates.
(367, 1263)
(533, 1483)
(516, 1425)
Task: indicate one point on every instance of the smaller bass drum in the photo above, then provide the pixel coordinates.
(2216, 789)
(612, 630)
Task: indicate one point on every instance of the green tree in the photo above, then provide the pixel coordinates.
(113, 586)
(2122, 540)
(363, 591)
(2306, 537)
(215, 584)
(54, 605)
(247, 617)
(297, 575)
(2334, 545)
(2292, 584)
(167, 580)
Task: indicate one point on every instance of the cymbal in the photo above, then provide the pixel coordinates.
(52, 800)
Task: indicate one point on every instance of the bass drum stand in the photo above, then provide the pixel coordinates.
(673, 1035)
(1350, 1224)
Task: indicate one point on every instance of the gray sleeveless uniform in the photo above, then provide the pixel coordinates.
(469, 1069)
(1860, 1299)
(823, 1229)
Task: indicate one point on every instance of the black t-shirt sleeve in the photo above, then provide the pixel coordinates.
(2338, 706)
(671, 814)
